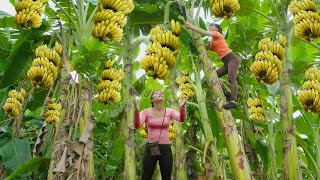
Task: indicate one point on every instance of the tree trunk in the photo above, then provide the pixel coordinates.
(128, 97)
(191, 138)
(291, 168)
(179, 156)
(238, 159)
(213, 169)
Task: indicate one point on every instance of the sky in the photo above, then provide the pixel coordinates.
(7, 7)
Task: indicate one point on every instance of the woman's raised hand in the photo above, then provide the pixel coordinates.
(137, 104)
(182, 102)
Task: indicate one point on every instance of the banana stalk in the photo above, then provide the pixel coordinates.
(238, 159)
(179, 156)
(291, 168)
(257, 169)
(61, 128)
(213, 168)
(128, 96)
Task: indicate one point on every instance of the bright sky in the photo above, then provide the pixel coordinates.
(7, 7)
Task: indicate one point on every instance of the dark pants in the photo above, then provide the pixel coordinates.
(165, 162)
(230, 66)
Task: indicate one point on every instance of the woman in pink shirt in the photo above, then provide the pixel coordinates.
(158, 117)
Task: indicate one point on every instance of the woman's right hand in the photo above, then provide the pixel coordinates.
(137, 104)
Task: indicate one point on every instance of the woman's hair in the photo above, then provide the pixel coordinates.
(151, 96)
(217, 26)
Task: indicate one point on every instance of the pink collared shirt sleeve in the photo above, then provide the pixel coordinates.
(180, 116)
(139, 118)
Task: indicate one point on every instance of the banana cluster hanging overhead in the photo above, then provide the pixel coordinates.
(110, 19)
(109, 86)
(44, 69)
(224, 8)
(29, 13)
(306, 19)
(143, 131)
(172, 133)
(267, 66)
(256, 112)
(186, 89)
(309, 96)
(161, 53)
(13, 105)
(52, 114)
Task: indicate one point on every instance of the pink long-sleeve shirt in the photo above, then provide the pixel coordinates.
(154, 124)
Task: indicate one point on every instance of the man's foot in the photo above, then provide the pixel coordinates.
(227, 94)
(231, 104)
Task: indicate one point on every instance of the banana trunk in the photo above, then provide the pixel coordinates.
(238, 159)
(128, 97)
(291, 168)
(179, 156)
(214, 170)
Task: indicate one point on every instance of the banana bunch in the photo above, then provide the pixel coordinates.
(266, 44)
(52, 113)
(161, 53)
(172, 133)
(267, 66)
(175, 27)
(224, 8)
(312, 74)
(29, 13)
(256, 112)
(13, 105)
(186, 89)
(306, 19)
(296, 6)
(309, 96)
(44, 68)
(143, 131)
(109, 86)
(110, 19)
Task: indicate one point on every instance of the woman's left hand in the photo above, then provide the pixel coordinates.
(182, 102)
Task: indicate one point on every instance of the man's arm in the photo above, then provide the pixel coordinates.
(197, 29)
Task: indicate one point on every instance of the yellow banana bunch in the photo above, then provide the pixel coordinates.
(40, 76)
(268, 56)
(309, 99)
(311, 84)
(52, 113)
(109, 96)
(282, 40)
(182, 79)
(307, 29)
(187, 94)
(184, 86)
(172, 133)
(313, 74)
(256, 112)
(143, 131)
(224, 8)
(29, 13)
(109, 63)
(109, 85)
(254, 102)
(58, 48)
(297, 6)
(175, 27)
(110, 19)
(302, 15)
(13, 105)
(263, 43)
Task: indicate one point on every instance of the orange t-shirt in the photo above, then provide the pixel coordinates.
(219, 45)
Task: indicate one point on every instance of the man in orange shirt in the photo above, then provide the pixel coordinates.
(230, 60)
